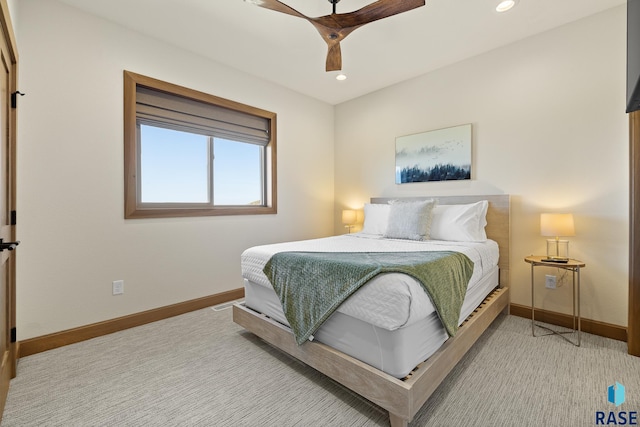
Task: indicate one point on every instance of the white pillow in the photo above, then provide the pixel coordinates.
(410, 220)
(376, 217)
(460, 223)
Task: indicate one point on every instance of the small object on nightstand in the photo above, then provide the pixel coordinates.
(572, 265)
(560, 261)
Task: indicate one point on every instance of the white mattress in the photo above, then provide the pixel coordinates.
(388, 301)
(395, 352)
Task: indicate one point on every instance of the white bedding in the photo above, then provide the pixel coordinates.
(377, 303)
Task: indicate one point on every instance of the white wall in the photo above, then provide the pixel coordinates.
(75, 241)
(13, 11)
(549, 127)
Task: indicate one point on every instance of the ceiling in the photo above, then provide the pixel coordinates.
(288, 51)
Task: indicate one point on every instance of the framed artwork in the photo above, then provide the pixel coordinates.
(437, 155)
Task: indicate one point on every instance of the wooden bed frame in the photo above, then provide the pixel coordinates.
(403, 398)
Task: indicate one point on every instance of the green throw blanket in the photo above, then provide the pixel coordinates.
(311, 285)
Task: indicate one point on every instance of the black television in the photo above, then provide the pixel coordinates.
(633, 55)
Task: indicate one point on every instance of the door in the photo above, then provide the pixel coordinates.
(8, 67)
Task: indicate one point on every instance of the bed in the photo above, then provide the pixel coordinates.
(395, 365)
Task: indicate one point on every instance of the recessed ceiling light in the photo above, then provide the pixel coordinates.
(505, 5)
(341, 77)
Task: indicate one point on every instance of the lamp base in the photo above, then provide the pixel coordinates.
(558, 249)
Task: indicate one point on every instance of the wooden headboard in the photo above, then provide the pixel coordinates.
(498, 222)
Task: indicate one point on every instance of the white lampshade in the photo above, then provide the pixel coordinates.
(557, 225)
(349, 216)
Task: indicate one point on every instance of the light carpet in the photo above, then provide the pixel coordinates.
(201, 369)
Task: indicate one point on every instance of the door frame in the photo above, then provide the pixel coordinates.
(12, 56)
(633, 328)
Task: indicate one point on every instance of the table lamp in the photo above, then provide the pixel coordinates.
(349, 218)
(557, 225)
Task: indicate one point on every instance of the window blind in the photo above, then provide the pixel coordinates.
(197, 116)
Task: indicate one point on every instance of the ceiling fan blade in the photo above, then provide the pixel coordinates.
(335, 27)
(277, 6)
(375, 11)
(334, 57)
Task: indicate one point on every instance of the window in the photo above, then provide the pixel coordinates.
(192, 154)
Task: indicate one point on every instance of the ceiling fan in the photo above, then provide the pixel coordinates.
(335, 27)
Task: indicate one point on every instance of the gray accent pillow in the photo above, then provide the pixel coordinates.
(410, 220)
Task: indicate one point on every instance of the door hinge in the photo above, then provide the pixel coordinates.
(14, 335)
(14, 98)
(13, 218)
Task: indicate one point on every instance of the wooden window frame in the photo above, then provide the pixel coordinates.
(133, 208)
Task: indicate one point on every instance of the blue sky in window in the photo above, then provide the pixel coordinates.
(174, 168)
(236, 173)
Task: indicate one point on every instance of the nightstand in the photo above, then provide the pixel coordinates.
(572, 265)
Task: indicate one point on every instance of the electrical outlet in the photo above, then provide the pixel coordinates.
(118, 287)
(550, 281)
